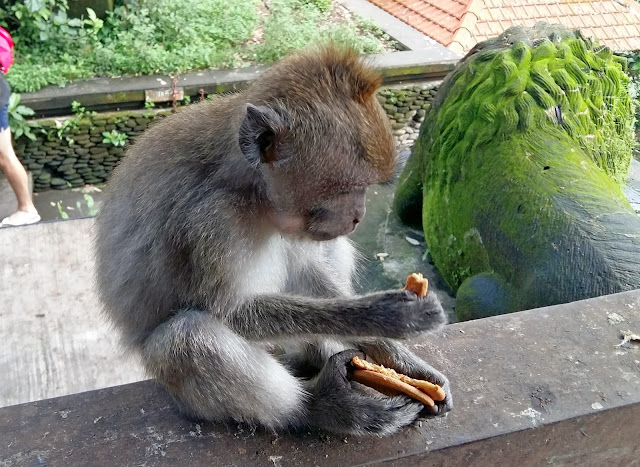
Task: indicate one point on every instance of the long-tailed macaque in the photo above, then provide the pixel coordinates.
(223, 232)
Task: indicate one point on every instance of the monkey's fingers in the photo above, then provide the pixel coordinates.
(384, 384)
(434, 391)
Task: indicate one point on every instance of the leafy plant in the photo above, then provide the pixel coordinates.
(93, 21)
(90, 205)
(633, 70)
(65, 127)
(63, 214)
(80, 111)
(115, 138)
(294, 24)
(17, 122)
(164, 36)
(322, 5)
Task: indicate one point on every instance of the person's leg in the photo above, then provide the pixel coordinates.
(17, 177)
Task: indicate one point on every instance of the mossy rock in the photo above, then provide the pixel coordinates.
(516, 175)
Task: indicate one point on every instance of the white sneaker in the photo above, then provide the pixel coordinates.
(20, 218)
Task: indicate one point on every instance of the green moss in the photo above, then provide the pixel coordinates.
(498, 166)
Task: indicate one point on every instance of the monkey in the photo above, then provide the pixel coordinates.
(222, 236)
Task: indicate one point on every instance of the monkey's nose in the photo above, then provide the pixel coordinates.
(358, 215)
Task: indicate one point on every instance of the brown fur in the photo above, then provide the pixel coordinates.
(339, 78)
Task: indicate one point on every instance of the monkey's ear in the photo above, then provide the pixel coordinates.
(259, 132)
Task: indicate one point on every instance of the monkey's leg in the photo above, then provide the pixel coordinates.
(217, 375)
(306, 359)
(394, 355)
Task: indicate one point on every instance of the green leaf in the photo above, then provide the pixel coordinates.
(60, 17)
(34, 5)
(14, 100)
(92, 14)
(75, 23)
(24, 110)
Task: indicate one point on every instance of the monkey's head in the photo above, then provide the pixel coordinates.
(318, 137)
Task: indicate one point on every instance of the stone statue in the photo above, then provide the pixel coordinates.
(516, 175)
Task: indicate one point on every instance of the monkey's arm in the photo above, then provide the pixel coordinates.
(395, 313)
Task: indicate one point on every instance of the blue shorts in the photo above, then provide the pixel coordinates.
(4, 117)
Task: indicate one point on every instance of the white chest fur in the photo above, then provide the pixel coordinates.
(263, 269)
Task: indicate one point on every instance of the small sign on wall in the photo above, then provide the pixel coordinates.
(164, 95)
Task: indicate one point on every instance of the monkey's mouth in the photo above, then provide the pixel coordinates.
(324, 235)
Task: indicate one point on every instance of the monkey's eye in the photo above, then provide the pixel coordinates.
(317, 212)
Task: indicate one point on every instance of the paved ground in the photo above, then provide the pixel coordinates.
(53, 340)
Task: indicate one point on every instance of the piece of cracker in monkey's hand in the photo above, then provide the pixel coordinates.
(417, 284)
(392, 383)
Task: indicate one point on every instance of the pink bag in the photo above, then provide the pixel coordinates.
(6, 50)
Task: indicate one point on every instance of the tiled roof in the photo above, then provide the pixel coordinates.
(460, 24)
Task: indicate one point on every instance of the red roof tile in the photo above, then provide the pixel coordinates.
(460, 24)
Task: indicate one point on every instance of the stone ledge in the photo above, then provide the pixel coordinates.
(110, 93)
(541, 386)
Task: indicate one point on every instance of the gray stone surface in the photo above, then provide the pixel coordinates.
(546, 386)
(53, 340)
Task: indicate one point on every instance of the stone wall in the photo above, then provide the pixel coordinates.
(406, 108)
(79, 156)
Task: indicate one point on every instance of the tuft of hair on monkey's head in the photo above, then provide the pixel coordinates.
(318, 135)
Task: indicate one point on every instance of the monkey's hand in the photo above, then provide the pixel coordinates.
(338, 407)
(394, 355)
(422, 370)
(401, 314)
